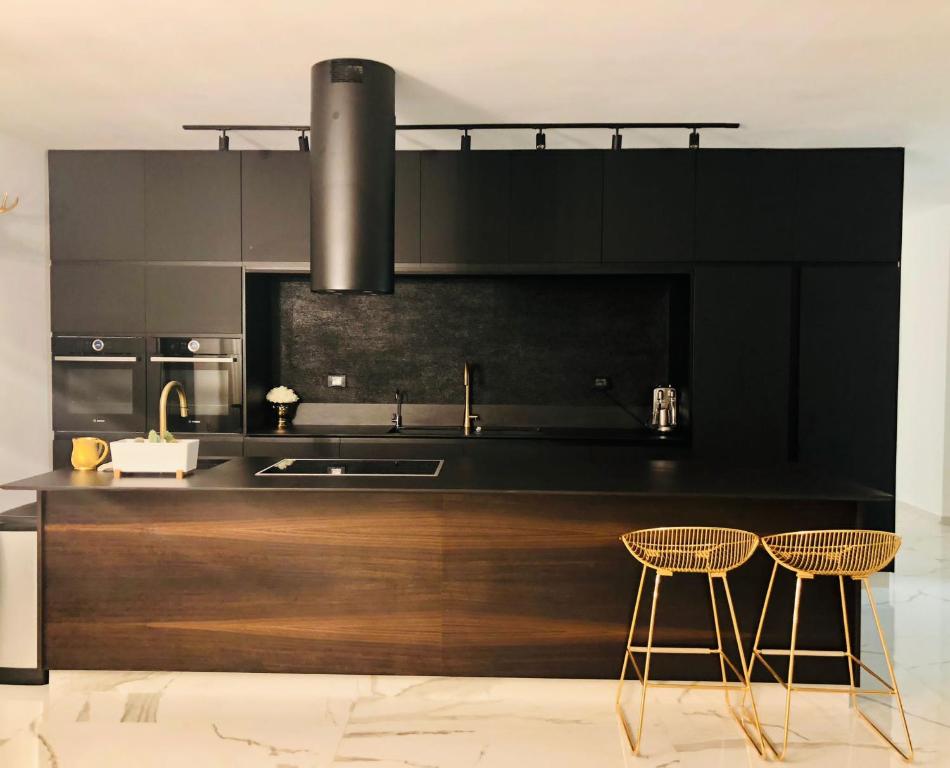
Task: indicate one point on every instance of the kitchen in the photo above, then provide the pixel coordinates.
(367, 409)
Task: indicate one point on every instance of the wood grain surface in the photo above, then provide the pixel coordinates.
(395, 583)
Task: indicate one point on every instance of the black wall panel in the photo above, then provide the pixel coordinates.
(533, 340)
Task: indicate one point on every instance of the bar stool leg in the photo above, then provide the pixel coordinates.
(791, 666)
(645, 679)
(758, 631)
(909, 754)
(627, 654)
(847, 638)
(746, 669)
(719, 648)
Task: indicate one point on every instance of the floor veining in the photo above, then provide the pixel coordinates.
(183, 719)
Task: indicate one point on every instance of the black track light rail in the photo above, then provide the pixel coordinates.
(479, 126)
(616, 141)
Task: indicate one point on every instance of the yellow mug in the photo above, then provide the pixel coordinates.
(89, 452)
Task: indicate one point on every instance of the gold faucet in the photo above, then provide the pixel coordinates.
(163, 406)
(469, 417)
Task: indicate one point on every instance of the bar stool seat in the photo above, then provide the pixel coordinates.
(853, 554)
(700, 550)
(856, 554)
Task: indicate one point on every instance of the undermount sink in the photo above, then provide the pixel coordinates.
(457, 431)
(426, 431)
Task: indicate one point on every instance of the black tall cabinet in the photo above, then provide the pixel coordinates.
(847, 420)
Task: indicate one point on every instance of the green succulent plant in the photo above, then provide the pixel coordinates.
(167, 437)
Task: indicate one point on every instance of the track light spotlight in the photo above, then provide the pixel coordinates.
(224, 141)
(466, 140)
(539, 140)
(616, 141)
(694, 139)
(303, 143)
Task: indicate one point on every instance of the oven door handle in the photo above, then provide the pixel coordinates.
(193, 360)
(93, 359)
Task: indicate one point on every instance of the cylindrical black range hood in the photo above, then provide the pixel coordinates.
(352, 177)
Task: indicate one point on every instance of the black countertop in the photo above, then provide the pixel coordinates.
(569, 472)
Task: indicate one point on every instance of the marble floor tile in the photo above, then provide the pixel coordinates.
(178, 720)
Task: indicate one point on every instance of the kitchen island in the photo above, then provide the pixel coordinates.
(493, 567)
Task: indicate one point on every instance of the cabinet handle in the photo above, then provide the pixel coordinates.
(92, 359)
(193, 360)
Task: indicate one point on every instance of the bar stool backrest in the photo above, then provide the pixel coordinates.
(691, 549)
(833, 552)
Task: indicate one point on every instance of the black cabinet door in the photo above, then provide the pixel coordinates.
(97, 298)
(193, 206)
(408, 202)
(744, 204)
(275, 204)
(97, 206)
(465, 207)
(849, 204)
(742, 321)
(556, 206)
(192, 300)
(649, 205)
(848, 372)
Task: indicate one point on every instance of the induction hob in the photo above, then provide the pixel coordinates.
(353, 468)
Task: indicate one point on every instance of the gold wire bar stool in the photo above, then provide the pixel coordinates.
(714, 552)
(841, 553)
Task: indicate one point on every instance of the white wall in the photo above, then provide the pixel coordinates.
(25, 425)
(923, 440)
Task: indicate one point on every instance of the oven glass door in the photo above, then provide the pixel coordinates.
(213, 388)
(98, 394)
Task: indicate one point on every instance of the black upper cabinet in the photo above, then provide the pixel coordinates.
(408, 211)
(193, 206)
(742, 329)
(744, 204)
(849, 205)
(185, 299)
(848, 371)
(97, 298)
(649, 204)
(97, 205)
(465, 207)
(556, 206)
(275, 204)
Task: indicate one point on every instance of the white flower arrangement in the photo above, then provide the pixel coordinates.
(282, 396)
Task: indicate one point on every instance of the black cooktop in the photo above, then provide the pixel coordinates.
(353, 468)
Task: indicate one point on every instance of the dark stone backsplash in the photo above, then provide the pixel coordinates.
(530, 340)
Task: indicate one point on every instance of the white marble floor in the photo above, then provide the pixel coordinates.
(146, 720)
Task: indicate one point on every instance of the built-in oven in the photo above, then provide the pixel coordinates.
(99, 384)
(210, 371)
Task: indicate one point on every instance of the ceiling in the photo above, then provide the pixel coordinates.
(110, 73)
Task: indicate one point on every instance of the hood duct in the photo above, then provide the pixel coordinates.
(352, 177)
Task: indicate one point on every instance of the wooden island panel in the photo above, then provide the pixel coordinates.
(416, 583)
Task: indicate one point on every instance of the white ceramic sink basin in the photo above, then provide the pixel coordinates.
(178, 458)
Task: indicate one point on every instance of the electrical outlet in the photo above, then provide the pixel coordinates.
(601, 382)
(336, 380)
